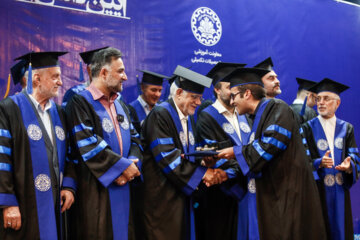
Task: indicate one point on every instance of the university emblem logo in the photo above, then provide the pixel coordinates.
(252, 137)
(60, 134)
(191, 138)
(206, 26)
(42, 182)
(329, 180)
(252, 185)
(107, 125)
(228, 128)
(339, 178)
(125, 124)
(244, 127)
(338, 143)
(182, 138)
(322, 144)
(34, 132)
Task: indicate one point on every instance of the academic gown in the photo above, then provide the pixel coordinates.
(334, 185)
(32, 169)
(216, 215)
(288, 204)
(169, 180)
(71, 92)
(308, 115)
(102, 207)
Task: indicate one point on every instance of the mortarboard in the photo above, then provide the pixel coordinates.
(304, 84)
(328, 85)
(87, 56)
(242, 76)
(152, 78)
(191, 81)
(42, 59)
(221, 69)
(266, 64)
(18, 71)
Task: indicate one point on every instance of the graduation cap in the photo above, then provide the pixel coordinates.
(18, 71)
(266, 64)
(152, 78)
(88, 55)
(172, 79)
(42, 59)
(242, 76)
(38, 60)
(191, 81)
(221, 69)
(304, 83)
(328, 85)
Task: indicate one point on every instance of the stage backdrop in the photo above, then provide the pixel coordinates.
(310, 39)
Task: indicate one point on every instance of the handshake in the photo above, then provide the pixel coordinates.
(214, 176)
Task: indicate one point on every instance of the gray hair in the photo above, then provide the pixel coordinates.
(102, 59)
(173, 89)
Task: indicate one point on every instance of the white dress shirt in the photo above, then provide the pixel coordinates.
(231, 117)
(298, 101)
(328, 126)
(183, 120)
(44, 115)
(144, 104)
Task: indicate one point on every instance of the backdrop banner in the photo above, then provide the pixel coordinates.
(310, 39)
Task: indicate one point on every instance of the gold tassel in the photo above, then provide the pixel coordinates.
(8, 87)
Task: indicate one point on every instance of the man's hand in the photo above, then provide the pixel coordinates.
(227, 153)
(210, 178)
(12, 217)
(345, 166)
(121, 181)
(222, 175)
(326, 161)
(129, 174)
(132, 171)
(67, 199)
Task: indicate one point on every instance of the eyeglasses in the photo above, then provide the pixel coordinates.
(325, 99)
(196, 97)
(233, 96)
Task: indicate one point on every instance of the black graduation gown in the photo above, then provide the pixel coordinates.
(19, 182)
(91, 217)
(349, 143)
(308, 115)
(216, 215)
(288, 204)
(166, 203)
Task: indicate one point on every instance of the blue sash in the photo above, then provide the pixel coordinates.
(227, 127)
(333, 179)
(119, 195)
(41, 169)
(247, 214)
(186, 148)
(139, 110)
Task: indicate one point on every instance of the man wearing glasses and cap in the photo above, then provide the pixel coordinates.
(35, 183)
(170, 178)
(151, 88)
(219, 125)
(335, 157)
(286, 204)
